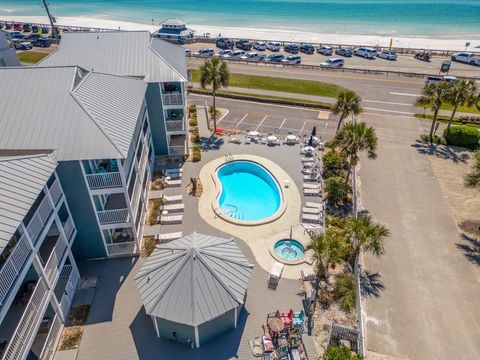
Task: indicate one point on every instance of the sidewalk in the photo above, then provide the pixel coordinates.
(202, 122)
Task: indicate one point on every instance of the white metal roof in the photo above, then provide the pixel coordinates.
(22, 178)
(125, 53)
(194, 279)
(80, 115)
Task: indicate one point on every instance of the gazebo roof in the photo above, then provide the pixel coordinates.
(194, 279)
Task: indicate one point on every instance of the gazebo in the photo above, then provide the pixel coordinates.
(194, 287)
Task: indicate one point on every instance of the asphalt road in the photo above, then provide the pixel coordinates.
(404, 63)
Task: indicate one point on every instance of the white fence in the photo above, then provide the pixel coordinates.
(121, 249)
(39, 219)
(52, 269)
(172, 98)
(48, 350)
(56, 191)
(113, 216)
(176, 150)
(104, 180)
(69, 228)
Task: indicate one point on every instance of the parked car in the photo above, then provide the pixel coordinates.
(223, 53)
(347, 52)
(388, 55)
(8, 26)
(224, 43)
(325, 50)
(17, 27)
(273, 46)
(292, 59)
(260, 46)
(237, 54)
(188, 52)
(291, 48)
(45, 30)
(423, 55)
(35, 28)
(307, 49)
(333, 63)
(243, 44)
(27, 27)
(2, 25)
(33, 36)
(366, 52)
(467, 58)
(42, 42)
(253, 56)
(440, 79)
(274, 58)
(19, 44)
(205, 52)
(17, 35)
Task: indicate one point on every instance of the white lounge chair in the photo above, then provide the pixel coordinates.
(172, 183)
(173, 208)
(309, 210)
(314, 205)
(311, 218)
(163, 238)
(234, 140)
(275, 275)
(174, 173)
(312, 186)
(171, 219)
(312, 178)
(312, 192)
(172, 199)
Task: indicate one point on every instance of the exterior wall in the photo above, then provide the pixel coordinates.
(167, 328)
(216, 327)
(8, 56)
(157, 119)
(89, 241)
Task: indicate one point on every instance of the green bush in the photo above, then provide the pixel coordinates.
(340, 353)
(334, 164)
(196, 153)
(195, 136)
(337, 190)
(193, 122)
(192, 110)
(344, 291)
(465, 136)
(439, 140)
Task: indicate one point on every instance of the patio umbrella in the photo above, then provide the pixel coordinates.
(310, 141)
(314, 131)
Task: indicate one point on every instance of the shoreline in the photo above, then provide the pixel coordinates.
(418, 42)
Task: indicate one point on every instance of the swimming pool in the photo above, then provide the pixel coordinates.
(249, 193)
(290, 250)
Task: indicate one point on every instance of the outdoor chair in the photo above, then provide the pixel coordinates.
(298, 319)
(173, 208)
(163, 238)
(171, 219)
(309, 210)
(172, 183)
(287, 319)
(172, 199)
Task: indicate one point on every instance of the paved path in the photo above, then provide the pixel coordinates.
(429, 306)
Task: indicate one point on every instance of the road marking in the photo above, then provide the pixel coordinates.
(391, 111)
(387, 102)
(283, 122)
(324, 130)
(261, 122)
(404, 94)
(241, 120)
(303, 127)
(223, 117)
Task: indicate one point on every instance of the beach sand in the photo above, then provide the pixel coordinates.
(437, 43)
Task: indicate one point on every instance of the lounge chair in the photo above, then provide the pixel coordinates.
(311, 177)
(287, 318)
(234, 140)
(163, 238)
(172, 208)
(312, 186)
(275, 275)
(172, 199)
(311, 218)
(171, 219)
(256, 346)
(313, 205)
(174, 173)
(309, 210)
(297, 320)
(312, 192)
(172, 183)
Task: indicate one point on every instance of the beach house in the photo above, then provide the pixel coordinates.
(139, 55)
(8, 56)
(175, 31)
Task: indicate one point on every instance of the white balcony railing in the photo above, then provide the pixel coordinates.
(39, 219)
(174, 98)
(104, 180)
(52, 338)
(69, 228)
(52, 269)
(17, 347)
(175, 125)
(56, 191)
(69, 291)
(13, 266)
(113, 216)
(178, 150)
(120, 249)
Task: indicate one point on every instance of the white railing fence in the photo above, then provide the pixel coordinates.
(56, 191)
(53, 336)
(52, 269)
(113, 216)
(69, 228)
(120, 249)
(36, 224)
(174, 98)
(176, 150)
(70, 288)
(104, 180)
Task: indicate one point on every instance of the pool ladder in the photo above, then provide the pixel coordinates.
(229, 157)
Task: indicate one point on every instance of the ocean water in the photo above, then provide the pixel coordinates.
(454, 18)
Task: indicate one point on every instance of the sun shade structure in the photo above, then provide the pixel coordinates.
(194, 287)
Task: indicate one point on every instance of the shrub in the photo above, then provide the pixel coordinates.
(340, 353)
(334, 164)
(210, 112)
(195, 135)
(148, 245)
(344, 291)
(465, 136)
(196, 153)
(192, 110)
(439, 140)
(337, 190)
(193, 122)
(71, 337)
(155, 205)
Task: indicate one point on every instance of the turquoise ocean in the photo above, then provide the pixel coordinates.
(430, 18)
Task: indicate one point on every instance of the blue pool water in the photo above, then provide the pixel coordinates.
(290, 250)
(249, 192)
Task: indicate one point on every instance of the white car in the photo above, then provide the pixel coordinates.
(253, 56)
(325, 50)
(237, 54)
(223, 53)
(260, 46)
(205, 52)
(333, 63)
(388, 55)
(273, 46)
(292, 59)
(440, 79)
(467, 58)
(366, 52)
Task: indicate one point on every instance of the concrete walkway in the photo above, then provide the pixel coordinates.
(428, 293)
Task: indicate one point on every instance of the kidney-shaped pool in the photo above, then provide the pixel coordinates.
(249, 192)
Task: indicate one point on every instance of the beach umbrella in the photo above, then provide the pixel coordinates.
(314, 131)
(310, 141)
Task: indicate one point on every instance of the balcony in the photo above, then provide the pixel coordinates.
(118, 216)
(175, 125)
(177, 151)
(104, 180)
(39, 219)
(51, 253)
(122, 242)
(172, 98)
(56, 191)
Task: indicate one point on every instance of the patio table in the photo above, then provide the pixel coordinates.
(276, 324)
(291, 137)
(254, 133)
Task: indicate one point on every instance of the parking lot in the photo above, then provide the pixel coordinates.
(244, 116)
(404, 63)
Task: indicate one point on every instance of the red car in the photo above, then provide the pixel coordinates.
(423, 55)
(17, 27)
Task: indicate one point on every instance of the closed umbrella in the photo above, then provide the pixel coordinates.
(310, 141)
(314, 131)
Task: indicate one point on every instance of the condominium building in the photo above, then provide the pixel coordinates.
(137, 54)
(8, 56)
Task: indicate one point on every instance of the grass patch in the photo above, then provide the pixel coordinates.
(78, 315)
(196, 153)
(295, 86)
(193, 122)
(31, 57)
(148, 245)
(457, 120)
(465, 109)
(154, 206)
(71, 337)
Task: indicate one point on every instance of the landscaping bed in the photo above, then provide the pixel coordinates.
(73, 330)
(31, 57)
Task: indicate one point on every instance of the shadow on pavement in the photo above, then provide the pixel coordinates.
(371, 284)
(211, 143)
(456, 154)
(471, 249)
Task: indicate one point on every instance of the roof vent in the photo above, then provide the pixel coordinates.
(98, 37)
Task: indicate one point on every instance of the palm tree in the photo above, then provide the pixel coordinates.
(354, 138)
(344, 291)
(214, 72)
(365, 235)
(473, 179)
(348, 102)
(461, 93)
(328, 251)
(433, 95)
